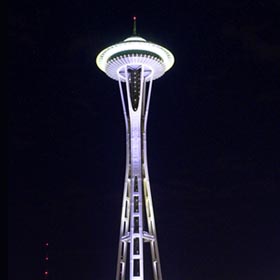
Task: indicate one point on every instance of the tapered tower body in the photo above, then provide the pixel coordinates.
(135, 63)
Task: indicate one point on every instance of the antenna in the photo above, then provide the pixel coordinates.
(46, 260)
(134, 26)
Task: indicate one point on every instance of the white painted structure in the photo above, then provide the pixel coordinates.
(135, 63)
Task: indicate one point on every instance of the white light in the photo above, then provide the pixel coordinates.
(135, 43)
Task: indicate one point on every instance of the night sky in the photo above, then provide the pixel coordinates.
(213, 138)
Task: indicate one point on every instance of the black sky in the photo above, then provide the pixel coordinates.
(213, 138)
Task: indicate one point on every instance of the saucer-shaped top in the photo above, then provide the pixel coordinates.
(134, 52)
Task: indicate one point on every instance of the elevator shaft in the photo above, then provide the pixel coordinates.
(135, 83)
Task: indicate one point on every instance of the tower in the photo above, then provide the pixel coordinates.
(135, 63)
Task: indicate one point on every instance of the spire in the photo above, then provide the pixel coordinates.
(134, 26)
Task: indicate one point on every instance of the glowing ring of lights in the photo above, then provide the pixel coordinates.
(135, 51)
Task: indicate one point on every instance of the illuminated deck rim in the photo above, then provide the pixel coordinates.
(135, 43)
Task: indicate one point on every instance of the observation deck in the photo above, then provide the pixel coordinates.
(135, 51)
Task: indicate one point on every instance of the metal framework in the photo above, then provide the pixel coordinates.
(135, 63)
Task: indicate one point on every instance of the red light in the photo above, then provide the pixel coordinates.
(46, 272)
(134, 18)
(46, 258)
(47, 244)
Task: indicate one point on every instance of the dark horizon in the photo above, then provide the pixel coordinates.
(213, 139)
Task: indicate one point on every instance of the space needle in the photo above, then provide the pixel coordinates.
(135, 63)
